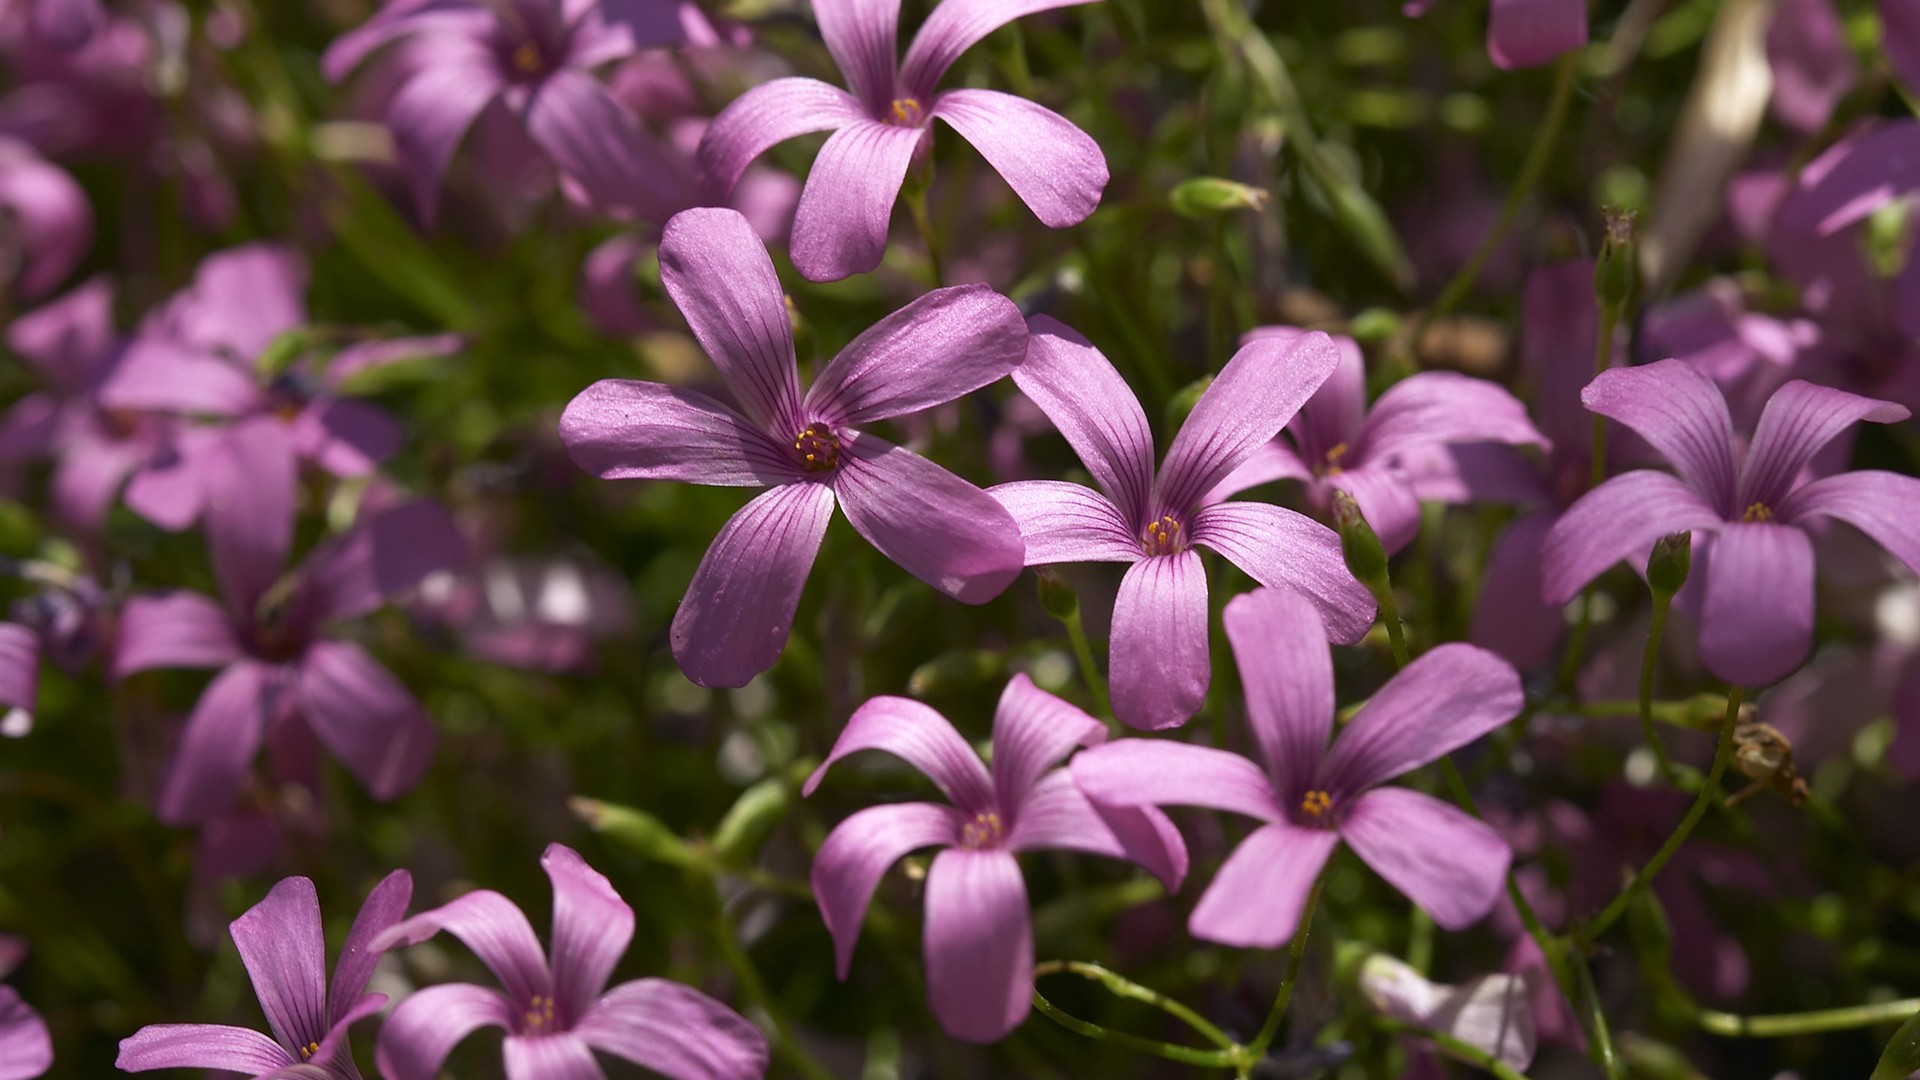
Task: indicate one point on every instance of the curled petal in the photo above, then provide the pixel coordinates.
(1093, 408)
(1158, 660)
(1439, 407)
(1062, 523)
(1799, 421)
(676, 1031)
(1282, 549)
(181, 1046)
(285, 952)
(1618, 520)
(840, 227)
(948, 343)
(856, 854)
(384, 906)
(765, 116)
(592, 927)
(955, 26)
(1884, 505)
(1757, 623)
(1032, 731)
(1256, 899)
(428, 1023)
(1055, 168)
(936, 526)
(1679, 410)
(498, 933)
(1057, 815)
(1445, 699)
(1450, 864)
(979, 944)
(922, 738)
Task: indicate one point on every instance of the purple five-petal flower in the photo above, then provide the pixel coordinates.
(1336, 442)
(276, 663)
(1310, 796)
(556, 1009)
(1756, 622)
(1159, 662)
(283, 945)
(884, 119)
(807, 450)
(979, 935)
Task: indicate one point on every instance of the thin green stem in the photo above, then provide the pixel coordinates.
(1089, 669)
(756, 990)
(1296, 954)
(1604, 1052)
(1121, 986)
(923, 221)
(1708, 791)
(1546, 136)
(1779, 1025)
(1465, 1051)
(1576, 645)
(1648, 661)
(1396, 634)
(1218, 1059)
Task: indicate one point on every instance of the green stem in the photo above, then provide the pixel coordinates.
(923, 221)
(1708, 791)
(756, 990)
(1546, 136)
(1464, 1051)
(1778, 1025)
(1296, 953)
(1089, 670)
(1121, 986)
(1648, 661)
(1604, 1051)
(1218, 1059)
(1396, 634)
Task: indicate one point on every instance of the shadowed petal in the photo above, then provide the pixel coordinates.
(173, 630)
(68, 339)
(1256, 898)
(979, 944)
(384, 906)
(1679, 410)
(1445, 699)
(840, 226)
(285, 952)
(1057, 815)
(1799, 421)
(1079, 390)
(445, 18)
(1853, 178)
(1336, 412)
(620, 429)
(863, 36)
(1813, 67)
(347, 437)
(1061, 523)
(49, 218)
(429, 116)
(1618, 520)
(251, 483)
(1436, 407)
(20, 674)
(1510, 618)
(1527, 33)
(158, 374)
(676, 1031)
(1450, 864)
(948, 343)
(218, 745)
(23, 1035)
(380, 559)
(953, 27)
(1055, 168)
(720, 277)
(1152, 772)
(1251, 399)
(856, 854)
(365, 717)
(1884, 505)
(192, 1046)
(592, 927)
(922, 738)
(1157, 657)
(1900, 37)
(734, 620)
(428, 1023)
(1757, 621)
(1032, 732)
(497, 932)
(1275, 460)
(597, 143)
(1280, 648)
(1282, 549)
(765, 116)
(936, 526)
(1386, 499)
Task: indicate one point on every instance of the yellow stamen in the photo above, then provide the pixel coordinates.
(1316, 804)
(1758, 512)
(1332, 467)
(539, 1012)
(1162, 537)
(907, 111)
(309, 1050)
(818, 448)
(527, 58)
(985, 830)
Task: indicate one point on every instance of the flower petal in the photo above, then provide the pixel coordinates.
(840, 226)
(1336, 412)
(20, 668)
(734, 620)
(1884, 505)
(1057, 815)
(1799, 421)
(68, 340)
(597, 143)
(676, 1031)
(934, 525)
(190, 1046)
(720, 277)
(428, 1023)
(948, 343)
(1448, 863)
(764, 117)
(1256, 899)
(159, 374)
(346, 436)
(922, 738)
(1756, 624)
(282, 944)
(28, 1046)
(429, 116)
(251, 483)
(365, 717)
(1900, 37)
(49, 218)
(1510, 618)
(1079, 390)
(1440, 407)
(1275, 460)
(1679, 410)
(1032, 732)
(1445, 699)
(384, 906)
(1154, 772)
(1386, 499)
(1056, 168)
(1527, 33)
(1157, 657)
(955, 26)
(856, 854)
(1813, 67)
(1252, 398)
(1618, 520)
(863, 36)
(1282, 549)
(1853, 178)
(379, 559)
(445, 18)
(1061, 523)
(218, 745)
(168, 487)
(173, 630)
(1280, 647)
(592, 927)
(620, 429)
(497, 932)
(979, 944)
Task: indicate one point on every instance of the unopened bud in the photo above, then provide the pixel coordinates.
(964, 669)
(1902, 1055)
(1206, 196)
(1615, 275)
(1366, 559)
(282, 352)
(1056, 596)
(1667, 567)
(751, 819)
(1181, 404)
(636, 829)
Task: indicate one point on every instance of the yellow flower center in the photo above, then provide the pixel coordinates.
(1331, 467)
(818, 448)
(1758, 512)
(1316, 804)
(907, 112)
(309, 1050)
(539, 1014)
(1163, 537)
(984, 831)
(527, 59)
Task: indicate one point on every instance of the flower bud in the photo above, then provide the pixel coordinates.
(1616, 273)
(751, 819)
(1667, 567)
(636, 829)
(1902, 1055)
(964, 669)
(1181, 404)
(1366, 559)
(1206, 196)
(1056, 596)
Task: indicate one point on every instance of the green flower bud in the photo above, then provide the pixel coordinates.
(1617, 272)
(1207, 196)
(636, 829)
(1056, 596)
(751, 819)
(963, 669)
(1902, 1055)
(1366, 559)
(1668, 565)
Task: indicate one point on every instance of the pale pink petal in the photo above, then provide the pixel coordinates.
(953, 27)
(946, 344)
(1158, 663)
(733, 622)
(1756, 625)
(840, 227)
(1439, 407)
(1256, 899)
(1445, 699)
(936, 526)
(1154, 772)
(1055, 168)
(1618, 520)
(1056, 815)
(1282, 549)
(765, 116)
(1079, 390)
(188, 1046)
(1280, 648)
(1064, 523)
(720, 277)
(620, 429)
(676, 1031)
(922, 738)
(282, 944)
(173, 630)
(1450, 864)
(856, 854)
(979, 944)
